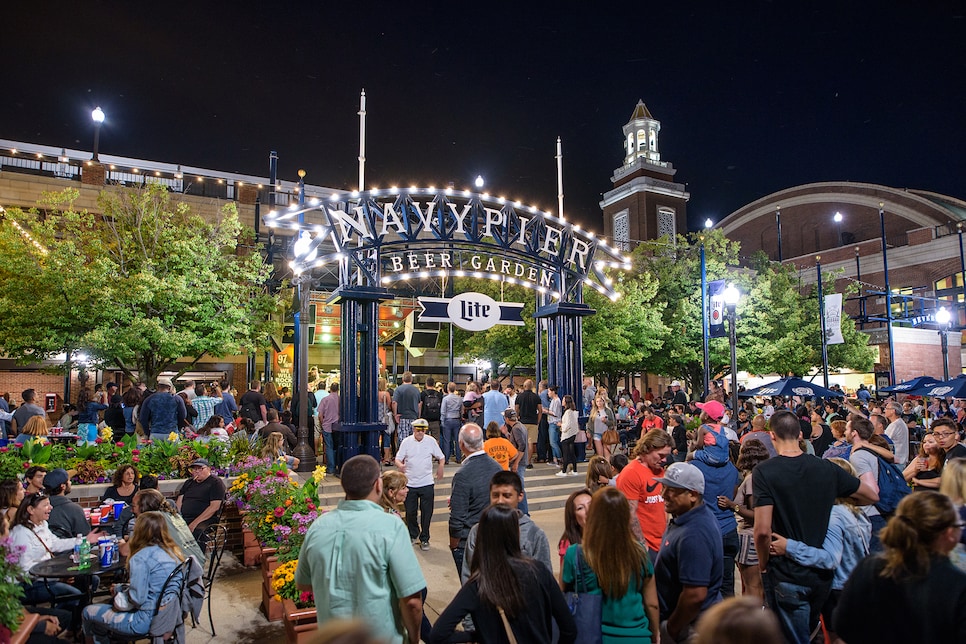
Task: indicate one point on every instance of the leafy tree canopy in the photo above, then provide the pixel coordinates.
(138, 288)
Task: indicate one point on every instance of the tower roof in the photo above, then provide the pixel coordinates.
(641, 111)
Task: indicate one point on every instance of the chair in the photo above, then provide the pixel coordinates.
(216, 536)
(168, 616)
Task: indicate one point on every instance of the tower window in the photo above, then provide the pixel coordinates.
(622, 231)
(667, 223)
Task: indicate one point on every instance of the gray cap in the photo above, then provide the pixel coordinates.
(683, 475)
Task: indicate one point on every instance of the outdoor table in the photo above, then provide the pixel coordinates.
(67, 438)
(62, 567)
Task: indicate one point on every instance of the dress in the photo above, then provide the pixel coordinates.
(149, 568)
(622, 618)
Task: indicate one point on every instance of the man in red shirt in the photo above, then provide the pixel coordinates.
(651, 420)
(638, 482)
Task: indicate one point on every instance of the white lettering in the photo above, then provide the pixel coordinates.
(430, 260)
(476, 262)
(519, 270)
(493, 217)
(391, 218)
(532, 275)
(460, 217)
(425, 220)
(444, 260)
(396, 263)
(522, 239)
(505, 266)
(348, 224)
(546, 279)
(490, 266)
(551, 242)
(579, 249)
(413, 261)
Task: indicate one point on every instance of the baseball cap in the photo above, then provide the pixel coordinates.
(675, 383)
(199, 462)
(510, 413)
(111, 385)
(164, 382)
(55, 478)
(684, 476)
(420, 423)
(714, 409)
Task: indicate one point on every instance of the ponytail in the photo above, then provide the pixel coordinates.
(910, 535)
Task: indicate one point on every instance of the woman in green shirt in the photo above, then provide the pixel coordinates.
(616, 565)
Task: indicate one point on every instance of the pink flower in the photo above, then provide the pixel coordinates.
(136, 459)
(120, 444)
(26, 464)
(4, 449)
(279, 512)
(135, 451)
(311, 506)
(99, 440)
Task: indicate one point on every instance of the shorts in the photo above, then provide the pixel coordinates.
(532, 433)
(747, 555)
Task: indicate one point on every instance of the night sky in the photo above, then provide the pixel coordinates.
(750, 100)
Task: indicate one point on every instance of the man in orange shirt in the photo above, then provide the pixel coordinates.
(651, 420)
(500, 449)
(638, 481)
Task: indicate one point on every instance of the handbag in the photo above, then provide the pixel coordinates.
(581, 436)
(610, 437)
(585, 607)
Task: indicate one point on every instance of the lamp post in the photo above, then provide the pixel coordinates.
(821, 317)
(888, 295)
(942, 319)
(778, 224)
(731, 296)
(97, 115)
(705, 332)
(837, 218)
(304, 254)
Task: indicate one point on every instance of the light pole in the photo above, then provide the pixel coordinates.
(888, 295)
(705, 332)
(304, 254)
(731, 297)
(821, 317)
(97, 115)
(837, 218)
(778, 224)
(942, 319)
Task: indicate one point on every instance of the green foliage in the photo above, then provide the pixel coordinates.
(507, 347)
(138, 287)
(11, 611)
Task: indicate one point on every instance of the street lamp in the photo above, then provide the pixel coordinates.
(942, 318)
(705, 332)
(479, 181)
(97, 115)
(303, 254)
(837, 218)
(731, 296)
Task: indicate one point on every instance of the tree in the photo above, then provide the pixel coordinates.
(138, 288)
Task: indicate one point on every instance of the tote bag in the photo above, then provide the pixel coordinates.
(585, 607)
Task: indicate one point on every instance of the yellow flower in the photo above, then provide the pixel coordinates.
(319, 474)
(173, 437)
(278, 598)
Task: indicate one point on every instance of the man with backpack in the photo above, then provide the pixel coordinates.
(254, 406)
(432, 403)
(874, 471)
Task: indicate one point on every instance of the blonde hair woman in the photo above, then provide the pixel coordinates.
(274, 449)
(394, 491)
(385, 416)
(34, 427)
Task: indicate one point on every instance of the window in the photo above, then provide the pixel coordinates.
(667, 223)
(622, 231)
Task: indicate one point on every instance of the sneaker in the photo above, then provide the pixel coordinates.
(573, 474)
(424, 546)
(560, 474)
(529, 466)
(415, 542)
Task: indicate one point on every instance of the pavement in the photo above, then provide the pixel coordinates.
(237, 591)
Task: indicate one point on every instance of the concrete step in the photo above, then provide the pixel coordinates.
(544, 490)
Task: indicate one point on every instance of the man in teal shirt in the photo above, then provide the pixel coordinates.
(359, 563)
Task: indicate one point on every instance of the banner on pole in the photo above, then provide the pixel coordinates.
(833, 319)
(716, 305)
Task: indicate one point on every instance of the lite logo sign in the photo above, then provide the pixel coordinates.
(471, 311)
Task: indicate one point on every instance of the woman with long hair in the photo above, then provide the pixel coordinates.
(569, 426)
(275, 449)
(124, 485)
(394, 491)
(506, 590)
(839, 447)
(598, 422)
(924, 471)
(575, 518)
(11, 495)
(213, 428)
(613, 563)
(599, 473)
(953, 485)
(272, 397)
(114, 417)
(912, 577)
(153, 501)
(88, 411)
(752, 453)
(130, 399)
(153, 556)
(384, 402)
(35, 427)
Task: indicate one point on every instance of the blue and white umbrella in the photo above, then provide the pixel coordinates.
(792, 387)
(955, 388)
(908, 385)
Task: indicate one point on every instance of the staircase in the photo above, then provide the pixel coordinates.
(544, 491)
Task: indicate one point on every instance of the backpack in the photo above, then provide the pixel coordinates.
(251, 411)
(432, 402)
(892, 485)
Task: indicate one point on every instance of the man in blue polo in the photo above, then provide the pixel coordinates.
(336, 561)
(688, 570)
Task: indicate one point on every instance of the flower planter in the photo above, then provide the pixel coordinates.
(271, 607)
(269, 564)
(300, 623)
(23, 632)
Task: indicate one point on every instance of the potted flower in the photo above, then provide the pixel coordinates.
(299, 613)
(11, 611)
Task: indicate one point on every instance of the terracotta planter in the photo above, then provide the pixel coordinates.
(300, 623)
(23, 632)
(271, 607)
(249, 540)
(269, 564)
(252, 555)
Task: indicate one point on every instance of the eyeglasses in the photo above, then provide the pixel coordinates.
(959, 525)
(944, 434)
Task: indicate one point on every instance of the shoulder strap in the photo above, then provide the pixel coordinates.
(580, 586)
(42, 543)
(506, 627)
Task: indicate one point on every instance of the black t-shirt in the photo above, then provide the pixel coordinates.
(802, 490)
(197, 496)
(529, 404)
(958, 451)
(250, 405)
(821, 443)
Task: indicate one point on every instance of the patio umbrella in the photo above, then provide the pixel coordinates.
(792, 387)
(955, 388)
(908, 385)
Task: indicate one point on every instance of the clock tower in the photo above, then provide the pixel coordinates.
(645, 202)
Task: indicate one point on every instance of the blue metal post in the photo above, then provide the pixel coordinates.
(705, 332)
(821, 316)
(888, 297)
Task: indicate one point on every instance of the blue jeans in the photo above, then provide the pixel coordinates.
(555, 440)
(878, 522)
(329, 450)
(449, 440)
(797, 607)
(729, 542)
(458, 557)
(521, 471)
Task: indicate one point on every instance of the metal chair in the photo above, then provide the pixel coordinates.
(168, 615)
(215, 537)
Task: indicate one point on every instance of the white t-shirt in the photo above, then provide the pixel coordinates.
(418, 456)
(899, 433)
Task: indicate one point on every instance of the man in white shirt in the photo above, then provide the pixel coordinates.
(415, 460)
(898, 432)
